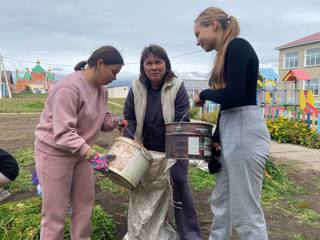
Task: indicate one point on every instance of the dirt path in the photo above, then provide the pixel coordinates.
(301, 157)
(17, 131)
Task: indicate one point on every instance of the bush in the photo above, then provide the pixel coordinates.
(21, 220)
(210, 117)
(194, 112)
(284, 130)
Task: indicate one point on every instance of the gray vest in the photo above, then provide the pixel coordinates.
(168, 95)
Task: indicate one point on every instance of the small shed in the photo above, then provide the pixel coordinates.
(3, 85)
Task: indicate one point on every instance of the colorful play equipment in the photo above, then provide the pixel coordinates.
(266, 87)
(307, 102)
(292, 101)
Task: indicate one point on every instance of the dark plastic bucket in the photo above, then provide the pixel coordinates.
(188, 141)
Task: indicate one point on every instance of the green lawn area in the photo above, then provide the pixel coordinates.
(118, 100)
(29, 102)
(23, 103)
(115, 110)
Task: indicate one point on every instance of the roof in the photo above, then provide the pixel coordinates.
(308, 39)
(26, 76)
(195, 84)
(120, 83)
(37, 69)
(268, 73)
(297, 74)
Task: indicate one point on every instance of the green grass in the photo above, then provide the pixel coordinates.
(279, 193)
(108, 186)
(115, 110)
(276, 194)
(278, 187)
(21, 220)
(120, 101)
(297, 237)
(23, 103)
(29, 102)
(100, 149)
(23, 183)
(200, 180)
(283, 195)
(25, 156)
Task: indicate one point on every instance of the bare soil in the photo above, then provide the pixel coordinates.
(17, 132)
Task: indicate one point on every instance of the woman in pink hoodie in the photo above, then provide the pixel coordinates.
(74, 113)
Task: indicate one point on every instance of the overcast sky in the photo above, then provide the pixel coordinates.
(64, 32)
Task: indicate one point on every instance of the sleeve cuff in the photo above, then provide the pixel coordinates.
(202, 95)
(85, 147)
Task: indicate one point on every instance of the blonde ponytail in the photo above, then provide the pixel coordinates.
(231, 29)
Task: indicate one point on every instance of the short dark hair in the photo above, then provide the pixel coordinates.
(108, 54)
(157, 51)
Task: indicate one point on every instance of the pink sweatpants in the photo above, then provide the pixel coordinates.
(64, 180)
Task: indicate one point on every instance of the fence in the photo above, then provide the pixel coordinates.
(311, 119)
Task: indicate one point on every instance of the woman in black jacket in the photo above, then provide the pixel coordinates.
(243, 136)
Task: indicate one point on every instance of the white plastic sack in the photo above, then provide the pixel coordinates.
(201, 164)
(149, 202)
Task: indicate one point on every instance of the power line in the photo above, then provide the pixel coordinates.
(43, 63)
(69, 65)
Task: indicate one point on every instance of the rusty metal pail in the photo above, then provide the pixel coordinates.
(189, 141)
(131, 163)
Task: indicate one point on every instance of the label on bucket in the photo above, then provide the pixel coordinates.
(193, 145)
(207, 147)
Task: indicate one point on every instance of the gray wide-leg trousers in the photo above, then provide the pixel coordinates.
(235, 202)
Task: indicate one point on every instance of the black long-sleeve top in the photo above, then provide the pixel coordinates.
(241, 73)
(154, 125)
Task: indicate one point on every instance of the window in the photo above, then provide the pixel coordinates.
(291, 60)
(313, 85)
(312, 57)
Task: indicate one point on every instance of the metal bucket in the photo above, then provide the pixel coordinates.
(189, 141)
(131, 163)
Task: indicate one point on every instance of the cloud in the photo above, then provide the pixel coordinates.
(66, 32)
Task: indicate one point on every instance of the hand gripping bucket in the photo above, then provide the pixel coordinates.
(131, 163)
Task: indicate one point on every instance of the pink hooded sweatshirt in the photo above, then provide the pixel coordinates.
(74, 113)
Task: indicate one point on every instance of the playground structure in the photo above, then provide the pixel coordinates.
(289, 98)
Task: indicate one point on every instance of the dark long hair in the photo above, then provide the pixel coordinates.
(158, 51)
(108, 54)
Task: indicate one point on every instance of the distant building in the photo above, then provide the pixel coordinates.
(3, 85)
(194, 86)
(38, 80)
(118, 92)
(299, 66)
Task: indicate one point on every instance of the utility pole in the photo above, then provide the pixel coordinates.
(2, 70)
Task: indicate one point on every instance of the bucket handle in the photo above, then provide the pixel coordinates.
(179, 128)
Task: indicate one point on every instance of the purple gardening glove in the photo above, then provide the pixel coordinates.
(100, 162)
